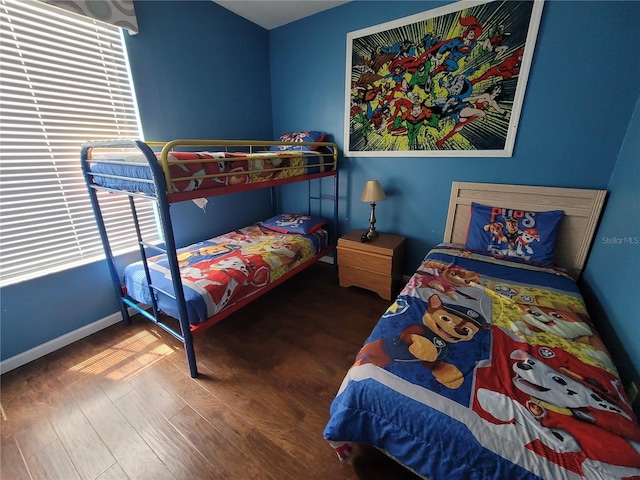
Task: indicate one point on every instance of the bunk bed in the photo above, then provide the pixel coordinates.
(201, 284)
(487, 365)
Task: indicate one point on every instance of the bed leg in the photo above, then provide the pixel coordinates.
(191, 354)
(193, 368)
(126, 319)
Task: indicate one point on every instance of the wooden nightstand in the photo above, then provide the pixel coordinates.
(374, 265)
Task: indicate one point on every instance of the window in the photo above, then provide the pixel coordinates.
(65, 80)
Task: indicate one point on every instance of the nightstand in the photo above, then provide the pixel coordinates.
(374, 265)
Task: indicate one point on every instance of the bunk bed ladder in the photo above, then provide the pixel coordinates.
(185, 335)
(142, 245)
(111, 264)
(176, 279)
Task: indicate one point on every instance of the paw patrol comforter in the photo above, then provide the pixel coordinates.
(224, 270)
(192, 171)
(488, 369)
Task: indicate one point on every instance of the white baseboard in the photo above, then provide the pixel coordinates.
(62, 341)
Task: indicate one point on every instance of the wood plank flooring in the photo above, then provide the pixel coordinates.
(120, 404)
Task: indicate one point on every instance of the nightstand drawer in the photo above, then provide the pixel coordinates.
(381, 284)
(365, 260)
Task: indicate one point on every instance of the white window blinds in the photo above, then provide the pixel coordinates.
(65, 80)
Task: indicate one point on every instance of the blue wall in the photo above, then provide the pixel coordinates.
(566, 137)
(580, 98)
(612, 273)
(200, 71)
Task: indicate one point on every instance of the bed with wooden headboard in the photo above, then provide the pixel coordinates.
(582, 209)
(488, 366)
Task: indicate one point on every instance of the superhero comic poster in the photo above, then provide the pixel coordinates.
(446, 82)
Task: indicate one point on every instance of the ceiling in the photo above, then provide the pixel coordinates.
(271, 14)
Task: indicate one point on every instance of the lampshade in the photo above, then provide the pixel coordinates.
(372, 192)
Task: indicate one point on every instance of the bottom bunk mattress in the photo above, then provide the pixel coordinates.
(488, 369)
(224, 270)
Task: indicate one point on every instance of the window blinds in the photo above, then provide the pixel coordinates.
(65, 80)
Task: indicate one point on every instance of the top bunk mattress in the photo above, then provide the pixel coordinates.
(205, 170)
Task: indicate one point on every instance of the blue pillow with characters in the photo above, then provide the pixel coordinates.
(306, 136)
(516, 233)
(294, 223)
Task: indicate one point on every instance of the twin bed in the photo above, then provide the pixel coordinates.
(487, 364)
(201, 284)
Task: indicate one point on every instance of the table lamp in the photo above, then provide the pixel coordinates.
(372, 193)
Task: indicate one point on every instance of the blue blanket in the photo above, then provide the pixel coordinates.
(486, 368)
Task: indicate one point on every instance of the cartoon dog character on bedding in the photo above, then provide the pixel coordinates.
(523, 242)
(223, 278)
(560, 414)
(497, 232)
(550, 318)
(283, 254)
(513, 231)
(187, 257)
(564, 324)
(442, 324)
(444, 278)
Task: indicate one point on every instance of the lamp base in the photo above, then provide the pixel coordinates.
(371, 234)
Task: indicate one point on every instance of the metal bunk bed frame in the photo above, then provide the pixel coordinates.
(161, 179)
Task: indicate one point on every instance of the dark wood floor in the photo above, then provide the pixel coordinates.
(120, 404)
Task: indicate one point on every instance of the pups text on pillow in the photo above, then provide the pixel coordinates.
(514, 233)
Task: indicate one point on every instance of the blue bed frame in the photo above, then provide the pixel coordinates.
(163, 200)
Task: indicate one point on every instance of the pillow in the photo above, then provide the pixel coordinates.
(294, 223)
(514, 233)
(309, 136)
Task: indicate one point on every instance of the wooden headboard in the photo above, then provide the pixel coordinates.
(581, 208)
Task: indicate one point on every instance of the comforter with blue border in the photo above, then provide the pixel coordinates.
(485, 368)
